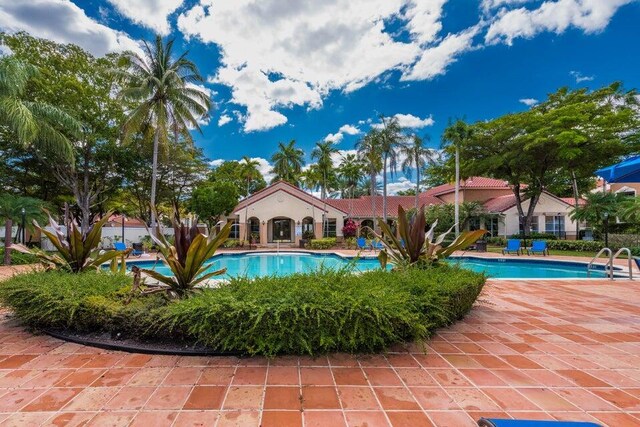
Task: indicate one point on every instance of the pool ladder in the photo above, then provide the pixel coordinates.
(608, 267)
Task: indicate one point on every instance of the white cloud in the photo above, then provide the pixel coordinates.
(494, 4)
(296, 52)
(334, 137)
(409, 121)
(149, 13)
(400, 185)
(435, 60)
(64, 22)
(589, 16)
(215, 163)
(349, 130)
(529, 102)
(224, 119)
(581, 77)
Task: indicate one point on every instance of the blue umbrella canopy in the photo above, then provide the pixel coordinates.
(627, 171)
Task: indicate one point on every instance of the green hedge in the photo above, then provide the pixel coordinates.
(536, 236)
(18, 258)
(299, 314)
(576, 245)
(324, 243)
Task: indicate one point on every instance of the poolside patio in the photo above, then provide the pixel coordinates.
(553, 350)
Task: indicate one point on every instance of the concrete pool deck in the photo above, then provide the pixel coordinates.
(565, 350)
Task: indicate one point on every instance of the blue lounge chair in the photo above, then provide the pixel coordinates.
(361, 242)
(377, 245)
(538, 246)
(119, 246)
(513, 245)
(495, 422)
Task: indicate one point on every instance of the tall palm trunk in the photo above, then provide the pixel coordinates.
(154, 179)
(417, 180)
(8, 225)
(384, 190)
(373, 197)
(457, 194)
(576, 198)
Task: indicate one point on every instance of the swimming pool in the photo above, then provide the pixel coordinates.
(258, 264)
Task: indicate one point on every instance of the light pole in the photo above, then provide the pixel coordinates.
(606, 229)
(123, 229)
(23, 212)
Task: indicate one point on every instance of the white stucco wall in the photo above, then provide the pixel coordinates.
(547, 205)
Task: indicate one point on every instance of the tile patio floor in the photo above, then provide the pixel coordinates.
(545, 350)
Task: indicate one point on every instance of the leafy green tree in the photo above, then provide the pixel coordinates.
(163, 86)
(245, 176)
(287, 163)
(630, 209)
(391, 138)
(11, 211)
(370, 153)
(32, 122)
(322, 153)
(407, 192)
(82, 85)
(417, 156)
(591, 129)
(210, 201)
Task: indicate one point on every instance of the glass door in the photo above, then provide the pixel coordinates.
(282, 230)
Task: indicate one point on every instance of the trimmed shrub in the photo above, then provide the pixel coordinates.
(575, 245)
(19, 258)
(299, 314)
(325, 243)
(536, 236)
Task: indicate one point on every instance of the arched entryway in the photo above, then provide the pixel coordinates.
(366, 228)
(281, 229)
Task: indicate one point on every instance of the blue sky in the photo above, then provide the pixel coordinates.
(284, 69)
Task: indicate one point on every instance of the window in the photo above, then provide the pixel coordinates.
(555, 224)
(235, 230)
(330, 227)
(491, 224)
(254, 227)
(534, 225)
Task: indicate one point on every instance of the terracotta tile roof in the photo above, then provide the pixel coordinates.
(281, 186)
(474, 182)
(361, 207)
(500, 204)
(116, 221)
(571, 201)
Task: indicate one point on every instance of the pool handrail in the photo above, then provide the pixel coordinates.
(609, 262)
(629, 260)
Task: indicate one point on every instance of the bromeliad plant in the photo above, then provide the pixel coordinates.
(415, 248)
(77, 251)
(186, 258)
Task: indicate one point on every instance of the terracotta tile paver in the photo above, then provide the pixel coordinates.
(563, 350)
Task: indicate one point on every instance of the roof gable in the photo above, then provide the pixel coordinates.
(284, 187)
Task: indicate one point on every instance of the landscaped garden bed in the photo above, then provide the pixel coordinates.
(311, 313)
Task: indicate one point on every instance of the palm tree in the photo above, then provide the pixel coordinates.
(287, 163)
(34, 123)
(416, 156)
(630, 209)
(11, 210)
(323, 152)
(249, 171)
(598, 210)
(455, 134)
(163, 87)
(350, 172)
(391, 139)
(370, 154)
(311, 178)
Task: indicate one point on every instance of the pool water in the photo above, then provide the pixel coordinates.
(265, 264)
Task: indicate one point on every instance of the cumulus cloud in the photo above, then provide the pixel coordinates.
(529, 102)
(401, 184)
(224, 119)
(152, 14)
(349, 130)
(64, 22)
(487, 5)
(589, 16)
(409, 121)
(297, 52)
(581, 77)
(334, 137)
